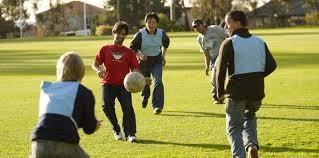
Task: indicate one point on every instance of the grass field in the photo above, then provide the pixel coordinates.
(190, 126)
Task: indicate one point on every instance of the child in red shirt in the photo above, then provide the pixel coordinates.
(112, 63)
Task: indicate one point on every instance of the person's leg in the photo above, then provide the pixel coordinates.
(129, 121)
(81, 153)
(63, 149)
(250, 125)
(108, 102)
(235, 111)
(39, 149)
(53, 149)
(158, 92)
(146, 71)
(213, 82)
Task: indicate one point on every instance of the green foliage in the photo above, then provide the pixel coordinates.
(311, 5)
(10, 9)
(213, 12)
(133, 11)
(190, 125)
(5, 27)
(168, 25)
(312, 18)
(103, 30)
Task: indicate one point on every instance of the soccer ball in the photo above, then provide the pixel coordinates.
(134, 82)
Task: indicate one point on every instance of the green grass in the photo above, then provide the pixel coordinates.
(190, 126)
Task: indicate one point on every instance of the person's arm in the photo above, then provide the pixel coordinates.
(270, 62)
(222, 63)
(136, 42)
(97, 66)
(166, 42)
(136, 45)
(207, 62)
(98, 69)
(205, 55)
(85, 105)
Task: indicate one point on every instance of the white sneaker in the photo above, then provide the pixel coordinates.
(132, 139)
(157, 111)
(118, 136)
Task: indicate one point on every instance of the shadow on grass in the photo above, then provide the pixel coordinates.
(286, 149)
(296, 59)
(226, 147)
(200, 145)
(209, 114)
(290, 107)
(192, 114)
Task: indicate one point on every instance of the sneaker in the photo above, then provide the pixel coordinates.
(118, 136)
(253, 151)
(157, 110)
(132, 139)
(144, 102)
(218, 101)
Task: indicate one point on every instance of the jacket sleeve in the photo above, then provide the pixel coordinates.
(85, 113)
(136, 43)
(222, 63)
(165, 40)
(270, 62)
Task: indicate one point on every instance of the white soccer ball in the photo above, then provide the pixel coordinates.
(134, 82)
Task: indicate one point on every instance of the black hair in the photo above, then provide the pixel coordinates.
(118, 26)
(151, 15)
(238, 15)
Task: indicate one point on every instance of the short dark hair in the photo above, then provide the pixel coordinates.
(118, 26)
(238, 15)
(151, 15)
(197, 22)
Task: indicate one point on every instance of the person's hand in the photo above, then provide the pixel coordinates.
(98, 124)
(207, 71)
(148, 81)
(101, 73)
(141, 56)
(163, 60)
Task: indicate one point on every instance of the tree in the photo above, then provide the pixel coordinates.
(180, 6)
(133, 11)
(312, 15)
(10, 13)
(244, 5)
(10, 10)
(211, 11)
(312, 6)
(6, 26)
(54, 18)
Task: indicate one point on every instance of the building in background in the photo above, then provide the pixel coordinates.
(67, 19)
(278, 14)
